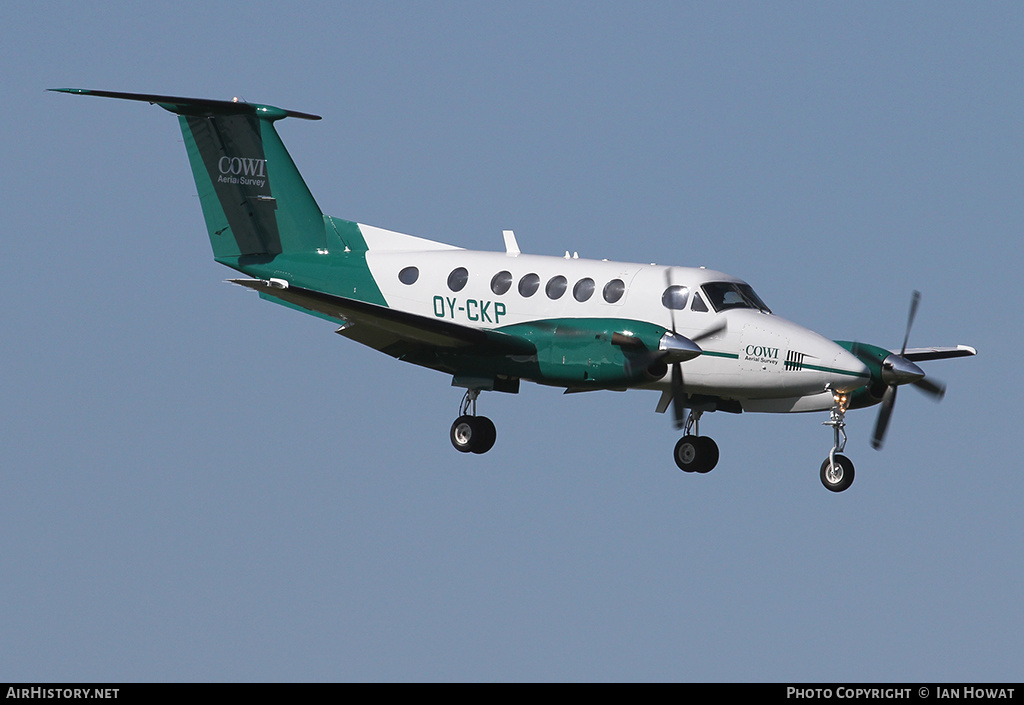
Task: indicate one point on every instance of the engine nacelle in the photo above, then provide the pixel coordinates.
(601, 353)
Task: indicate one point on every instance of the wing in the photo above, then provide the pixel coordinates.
(397, 333)
(918, 354)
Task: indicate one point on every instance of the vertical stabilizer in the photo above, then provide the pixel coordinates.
(254, 200)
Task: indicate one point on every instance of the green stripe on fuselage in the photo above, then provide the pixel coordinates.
(836, 370)
(729, 356)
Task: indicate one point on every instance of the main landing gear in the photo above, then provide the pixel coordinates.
(693, 452)
(837, 470)
(471, 433)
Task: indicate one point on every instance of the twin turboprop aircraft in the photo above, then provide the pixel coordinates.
(701, 338)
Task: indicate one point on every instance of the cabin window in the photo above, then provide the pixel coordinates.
(556, 287)
(501, 282)
(614, 290)
(409, 275)
(675, 297)
(529, 284)
(583, 290)
(458, 278)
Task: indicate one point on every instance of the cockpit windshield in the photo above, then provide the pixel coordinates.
(726, 295)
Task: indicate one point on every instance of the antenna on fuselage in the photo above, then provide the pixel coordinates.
(511, 246)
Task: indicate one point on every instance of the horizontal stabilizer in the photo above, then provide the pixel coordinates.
(197, 107)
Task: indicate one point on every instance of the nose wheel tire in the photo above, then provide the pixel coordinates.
(838, 476)
(473, 434)
(696, 454)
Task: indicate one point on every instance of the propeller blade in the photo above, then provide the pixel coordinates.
(915, 298)
(668, 284)
(679, 409)
(931, 387)
(888, 401)
(678, 397)
(713, 330)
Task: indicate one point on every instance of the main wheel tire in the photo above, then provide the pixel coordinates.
(696, 454)
(485, 436)
(838, 477)
(708, 452)
(687, 454)
(463, 431)
(473, 434)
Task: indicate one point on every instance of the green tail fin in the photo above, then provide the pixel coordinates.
(254, 201)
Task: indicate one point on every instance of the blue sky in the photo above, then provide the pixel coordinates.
(197, 485)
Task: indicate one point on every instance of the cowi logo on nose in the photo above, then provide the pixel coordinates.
(242, 170)
(762, 353)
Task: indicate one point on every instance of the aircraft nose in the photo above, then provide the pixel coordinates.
(848, 372)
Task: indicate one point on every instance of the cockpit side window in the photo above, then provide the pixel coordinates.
(698, 303)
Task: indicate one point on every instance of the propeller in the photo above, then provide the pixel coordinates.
(899, 369)
(678, 395)
(679, 409)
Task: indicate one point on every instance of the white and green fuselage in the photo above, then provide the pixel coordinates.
(749, 357)
(491, 319)
(704, 339)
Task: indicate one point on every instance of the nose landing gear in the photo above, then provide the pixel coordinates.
(471, 433)
(837, 470)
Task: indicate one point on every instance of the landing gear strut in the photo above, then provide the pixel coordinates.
(471, 433)
(693, 452)
(837, 470)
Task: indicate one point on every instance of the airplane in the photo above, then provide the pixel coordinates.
(703, 339)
